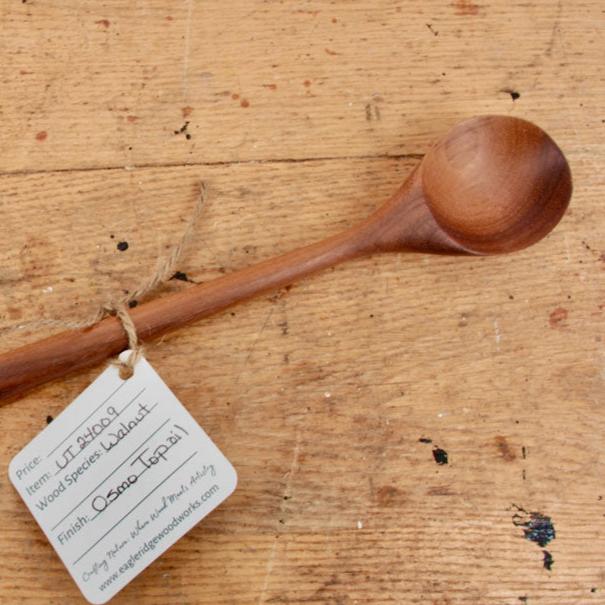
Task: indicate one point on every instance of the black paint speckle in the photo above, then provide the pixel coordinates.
(523, 599)
(440, 455)
(514, 95)
(181, 276)
(593, 589)
(132, 304)
(540, 529)
(425, 440)
(536, 527)
(122, 246)
(183, 130)
(548, 560)
(49, 419)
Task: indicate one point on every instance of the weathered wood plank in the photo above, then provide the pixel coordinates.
(320, 394)
(87, 85)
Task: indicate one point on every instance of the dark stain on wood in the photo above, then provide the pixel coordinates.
(504, 448)
(440, 490)
(465, 8)
(14, 313)
(389, 495)
(558, 317)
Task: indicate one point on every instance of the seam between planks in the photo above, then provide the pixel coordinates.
(401, 156)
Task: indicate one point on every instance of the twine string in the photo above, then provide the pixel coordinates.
(165, 269)
(136, 349)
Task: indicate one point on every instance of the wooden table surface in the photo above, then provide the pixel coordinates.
(302, 117)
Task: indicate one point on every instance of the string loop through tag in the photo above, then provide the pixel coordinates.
(136, 349)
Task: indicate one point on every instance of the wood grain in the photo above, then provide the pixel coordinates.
(319, 394)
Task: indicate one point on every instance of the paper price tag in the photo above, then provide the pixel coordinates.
(118, 477)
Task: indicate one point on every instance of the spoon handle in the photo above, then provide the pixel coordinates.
(55, 356)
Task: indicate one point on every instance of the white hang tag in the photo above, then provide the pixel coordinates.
(118, 477)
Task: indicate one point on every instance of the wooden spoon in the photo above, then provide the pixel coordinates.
(493, 184)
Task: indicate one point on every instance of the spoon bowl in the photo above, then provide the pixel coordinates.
(496, 184)
(492, 184)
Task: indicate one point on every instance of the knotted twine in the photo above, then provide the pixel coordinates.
(165, 269)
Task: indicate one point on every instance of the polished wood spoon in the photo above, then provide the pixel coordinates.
(493, 184)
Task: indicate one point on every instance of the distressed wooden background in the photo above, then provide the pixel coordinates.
(302, 117)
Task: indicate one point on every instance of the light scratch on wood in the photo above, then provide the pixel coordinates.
(185, 79)
(256, 339)
(268, 572)
(497, 333)
(566, 247)
(555, 31)
(292, 470)
(272, 553)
